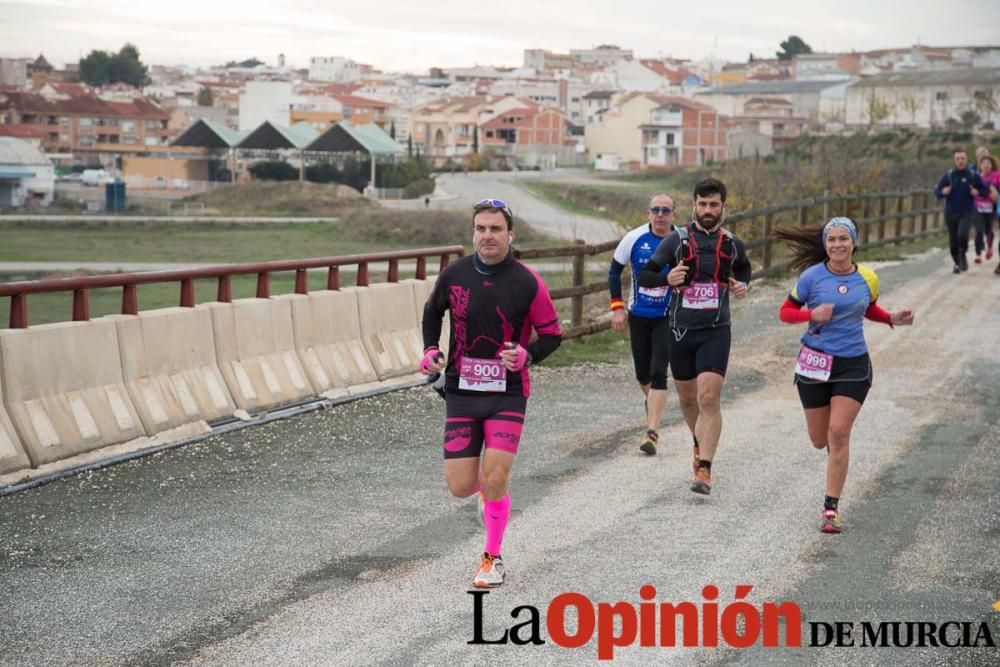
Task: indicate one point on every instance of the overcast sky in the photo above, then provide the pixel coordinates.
(413, 35)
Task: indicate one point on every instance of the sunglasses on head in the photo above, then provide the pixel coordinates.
(494, 205)
(660, 210)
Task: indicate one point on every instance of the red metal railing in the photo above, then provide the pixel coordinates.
(19, 291)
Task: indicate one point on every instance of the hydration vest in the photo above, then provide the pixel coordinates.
(725, 253)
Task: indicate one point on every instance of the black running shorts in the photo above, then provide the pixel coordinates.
(493, 421)
(650, 337)
(697, 351)
(850, 377)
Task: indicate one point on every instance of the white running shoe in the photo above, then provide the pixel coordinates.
(491, 572)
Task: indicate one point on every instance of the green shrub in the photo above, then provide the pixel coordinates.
(419, 188)
(274, 170)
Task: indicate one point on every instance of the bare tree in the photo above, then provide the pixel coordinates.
(911, 104)
(987, 102)
(877, 110)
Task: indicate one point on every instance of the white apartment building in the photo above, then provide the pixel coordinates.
(629, 75)
(14, 71)
(603, 55)
(819, 102)
(563, 94)
(925, 99)
(265, 100)
(335, 69)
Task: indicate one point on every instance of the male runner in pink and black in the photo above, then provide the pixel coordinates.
(495, 302)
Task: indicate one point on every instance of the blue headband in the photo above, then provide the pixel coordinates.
(844, 223)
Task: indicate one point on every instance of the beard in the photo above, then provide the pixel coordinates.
(707, 221)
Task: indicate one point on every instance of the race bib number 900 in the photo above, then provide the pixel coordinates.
(482, 375)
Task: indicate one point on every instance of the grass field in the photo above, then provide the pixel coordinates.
(194, 243)
(359, 231)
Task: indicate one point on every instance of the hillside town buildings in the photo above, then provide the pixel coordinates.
(602, 104)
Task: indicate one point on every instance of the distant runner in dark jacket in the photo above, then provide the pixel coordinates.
(959, 188)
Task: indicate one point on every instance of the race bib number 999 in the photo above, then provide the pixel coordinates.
(814, 364)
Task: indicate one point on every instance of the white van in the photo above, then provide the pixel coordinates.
(95, 177)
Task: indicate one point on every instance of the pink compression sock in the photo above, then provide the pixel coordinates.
(495, 515)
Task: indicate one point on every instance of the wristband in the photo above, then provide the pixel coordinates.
(617, 304)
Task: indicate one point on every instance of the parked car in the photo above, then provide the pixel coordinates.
(75, 177)
(181, 184)
(95, 177)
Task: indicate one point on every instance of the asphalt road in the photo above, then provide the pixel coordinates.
(330, 538)
(541, 215)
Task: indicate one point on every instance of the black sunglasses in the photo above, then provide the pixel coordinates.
(660, 210)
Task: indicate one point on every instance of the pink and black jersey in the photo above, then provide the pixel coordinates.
(491, 305)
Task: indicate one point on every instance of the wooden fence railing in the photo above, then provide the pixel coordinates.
(882, 217)
(223, 273)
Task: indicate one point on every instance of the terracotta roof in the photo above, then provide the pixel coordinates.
(73, 89)
(676, 76)
(454, 104)
(82, 105)
(526, 118)
(21, 131)
(355, 101)
(340, 88)
(668, 100)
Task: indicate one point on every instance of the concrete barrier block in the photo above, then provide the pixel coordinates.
(421, 292)
(255, 349)
(12, 454)
(328, 340)
(389, 328)
(170, 369)
(64, 389)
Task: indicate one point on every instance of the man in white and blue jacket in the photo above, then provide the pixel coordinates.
(645, 312)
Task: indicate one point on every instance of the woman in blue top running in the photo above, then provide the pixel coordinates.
(833, 372)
